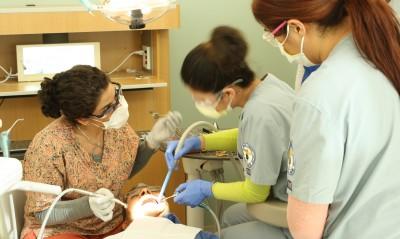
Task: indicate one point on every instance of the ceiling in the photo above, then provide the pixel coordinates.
(40, 5)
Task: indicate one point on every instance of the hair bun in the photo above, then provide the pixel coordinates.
(48, 97)
(230, 47)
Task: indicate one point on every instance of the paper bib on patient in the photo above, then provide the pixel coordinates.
(156, 227)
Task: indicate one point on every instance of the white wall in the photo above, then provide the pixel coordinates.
(198, 18)
(395, 5)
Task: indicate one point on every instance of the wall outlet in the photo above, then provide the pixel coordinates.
(147, 57)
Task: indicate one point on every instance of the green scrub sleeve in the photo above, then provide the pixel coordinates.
(221, 140)
(246, 191)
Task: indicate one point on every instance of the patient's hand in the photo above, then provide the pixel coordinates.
(142, 201)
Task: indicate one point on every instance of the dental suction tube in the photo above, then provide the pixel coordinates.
(58, 198)
(185, 134)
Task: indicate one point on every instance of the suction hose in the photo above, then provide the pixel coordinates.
(179, 147)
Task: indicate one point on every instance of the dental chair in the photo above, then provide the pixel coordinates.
(9, 229)
(12, 196)
(12, 199)
(272, 212)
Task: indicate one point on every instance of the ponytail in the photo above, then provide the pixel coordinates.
(376, 33)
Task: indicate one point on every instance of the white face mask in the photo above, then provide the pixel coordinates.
(119, 117)
(299, 58)
(209, 109)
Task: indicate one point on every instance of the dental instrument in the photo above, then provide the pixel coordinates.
(69, 190)
(179, 147)
(166, 198)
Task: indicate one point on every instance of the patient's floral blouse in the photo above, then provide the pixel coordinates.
(56, 157)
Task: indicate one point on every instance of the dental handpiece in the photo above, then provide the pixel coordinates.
(113, 199)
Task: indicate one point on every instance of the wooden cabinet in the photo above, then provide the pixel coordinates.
(145, 94)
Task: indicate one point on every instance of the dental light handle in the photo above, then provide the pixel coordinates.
(185, 134)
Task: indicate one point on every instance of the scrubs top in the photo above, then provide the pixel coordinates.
(264, 134)
(345, 146)
(56, 157)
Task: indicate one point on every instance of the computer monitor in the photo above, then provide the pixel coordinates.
(35, 62)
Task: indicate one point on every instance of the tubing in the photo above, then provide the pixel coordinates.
(179, 147)
(205, 206)
(69, 190)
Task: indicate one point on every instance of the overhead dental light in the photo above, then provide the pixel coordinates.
(135, 13)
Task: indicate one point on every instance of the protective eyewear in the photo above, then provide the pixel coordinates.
(111, 107)
(270, 36)
(218, 95)
(136, 191)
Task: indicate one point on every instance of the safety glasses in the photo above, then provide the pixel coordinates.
(270, 36)
(207, 102)
(111, 107)
(218, 96)
(136, 191)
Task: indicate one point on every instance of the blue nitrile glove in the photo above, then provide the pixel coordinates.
(192, 144)
(193, 193)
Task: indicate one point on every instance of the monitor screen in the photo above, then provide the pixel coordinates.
(38, 61)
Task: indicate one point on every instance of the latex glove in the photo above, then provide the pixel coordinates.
(163, 129)
(193, 193)
(102, 207)
(192, 144)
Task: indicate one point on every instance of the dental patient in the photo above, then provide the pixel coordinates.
(142, 201)
(148, 218)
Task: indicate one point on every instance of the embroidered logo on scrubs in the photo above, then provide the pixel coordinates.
(249, 156)
(291, 160)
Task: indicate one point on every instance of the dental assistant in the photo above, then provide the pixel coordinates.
(219, 79)
(343, 167)
(88, 146)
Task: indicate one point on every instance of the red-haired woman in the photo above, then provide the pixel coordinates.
(343, 172)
